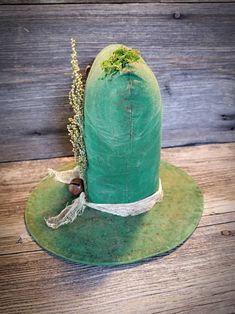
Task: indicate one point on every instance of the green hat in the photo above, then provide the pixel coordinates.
(130, 205)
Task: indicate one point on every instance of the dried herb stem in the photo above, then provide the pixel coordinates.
(75, 123)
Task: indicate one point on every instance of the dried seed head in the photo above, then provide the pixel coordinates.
(75, 124)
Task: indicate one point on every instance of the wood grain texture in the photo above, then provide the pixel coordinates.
(192, 56)
(108, 1)
(196, 278)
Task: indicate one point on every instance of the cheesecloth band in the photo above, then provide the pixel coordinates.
(70, 212)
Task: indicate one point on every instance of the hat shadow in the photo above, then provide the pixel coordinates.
(110, 240)
(87, 277)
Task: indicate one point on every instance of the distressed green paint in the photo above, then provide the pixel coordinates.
(122, 125)
(103, 239)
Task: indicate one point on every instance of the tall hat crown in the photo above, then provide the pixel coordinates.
(122, 127)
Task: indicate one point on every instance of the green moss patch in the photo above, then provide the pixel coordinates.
(120, 59)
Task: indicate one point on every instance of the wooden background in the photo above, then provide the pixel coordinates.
(190, 45)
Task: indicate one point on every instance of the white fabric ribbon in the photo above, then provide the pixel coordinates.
(64, 176)
(70, 212)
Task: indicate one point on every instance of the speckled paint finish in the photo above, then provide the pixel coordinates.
(103, 239)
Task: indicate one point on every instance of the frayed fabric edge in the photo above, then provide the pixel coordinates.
(70, 212)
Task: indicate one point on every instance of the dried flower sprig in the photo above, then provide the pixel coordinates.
(75, 124)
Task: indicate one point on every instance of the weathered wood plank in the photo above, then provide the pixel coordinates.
(203, 268)
(196, 278)
(108, 1)
(192, 56)
(210, 165)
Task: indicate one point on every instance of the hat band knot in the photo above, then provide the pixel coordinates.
(70, 212)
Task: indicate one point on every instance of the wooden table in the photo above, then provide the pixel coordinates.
(196, 278)
(190, 47)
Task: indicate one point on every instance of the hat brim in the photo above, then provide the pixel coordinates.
(99, 238)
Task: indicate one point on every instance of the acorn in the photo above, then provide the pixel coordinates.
(76, 186)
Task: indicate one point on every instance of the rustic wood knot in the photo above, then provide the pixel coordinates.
(19, 240)
(76, 186)
(37, 133)
(177, 15)
(228, 233)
